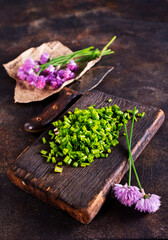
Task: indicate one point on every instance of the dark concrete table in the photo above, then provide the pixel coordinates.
(141, 70)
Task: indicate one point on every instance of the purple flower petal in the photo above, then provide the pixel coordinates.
(37, 69)
(50, 69)
(54, 84)
(59, 81)
(72, 66)
(148, 203)
(32, 79)
(127, 195)
(28, 65)
(66, 74)
(49, 78)
(61, 73)
(41, 82)
(21, 73)
(44, 58)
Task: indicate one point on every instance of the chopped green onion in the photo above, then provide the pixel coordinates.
(60, 163)
(53, 160)
(67, 160)
(43, 152)
(44, 140)
(141, 114)
(75, 164)
(85, 135)
(58, 169)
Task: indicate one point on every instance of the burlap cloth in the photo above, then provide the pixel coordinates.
(25, 93)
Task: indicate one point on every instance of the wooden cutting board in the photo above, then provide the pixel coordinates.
(82, 191)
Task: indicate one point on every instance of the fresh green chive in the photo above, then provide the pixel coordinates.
(86, 134)
(60, 163)
(53, 160)
(43, 152)
(75, 164)
(44, 140)
(58, 169)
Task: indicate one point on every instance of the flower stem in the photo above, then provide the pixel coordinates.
(129, 157)
(136, 174)
(131, 161)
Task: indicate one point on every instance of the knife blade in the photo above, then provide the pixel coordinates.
(86, 83)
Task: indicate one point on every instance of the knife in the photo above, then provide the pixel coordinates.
(86, 83)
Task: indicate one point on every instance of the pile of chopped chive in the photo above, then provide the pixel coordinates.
(85, 135)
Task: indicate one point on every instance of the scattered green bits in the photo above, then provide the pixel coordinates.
(58, 169)
(141, 114)
(84, 135)
(43, 152)
(44, 140)
(109, 100)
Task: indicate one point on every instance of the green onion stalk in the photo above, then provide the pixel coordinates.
(81, 56)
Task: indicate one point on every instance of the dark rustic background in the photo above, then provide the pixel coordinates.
(141, 72)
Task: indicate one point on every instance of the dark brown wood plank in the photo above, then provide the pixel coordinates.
(82, 191)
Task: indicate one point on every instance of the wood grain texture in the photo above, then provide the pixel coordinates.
(82, 191)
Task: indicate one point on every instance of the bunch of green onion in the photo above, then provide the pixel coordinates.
(82, 56)
(85, 135)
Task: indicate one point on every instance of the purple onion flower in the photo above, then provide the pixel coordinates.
(44, 58)
(50, 69)
(73, 66)
(50, 77)
(41, 82)
(148, 203)
(61, 73)
(28, 65)
(59, 81)
(37, 66)
(127, 195)
(54, 84)
(32, 79)
(21, 73)
(66, 74)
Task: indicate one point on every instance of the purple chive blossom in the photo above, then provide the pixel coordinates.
(37, 69)
(44, 58)
(28, 65)
(54, 84)
(127, 195)
(21, 73)
(59, 81)
(61, 73)
(49, 78)
(73, 66)
(52, 76)
(32, 79)
(37, 66)
(69, 74)
(148, 203)
(41, 82)
(66, 75)
(50, 69)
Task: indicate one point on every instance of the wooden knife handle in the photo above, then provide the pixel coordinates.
(40, 122)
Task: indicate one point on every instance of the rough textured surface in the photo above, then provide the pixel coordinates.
(140, 74)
